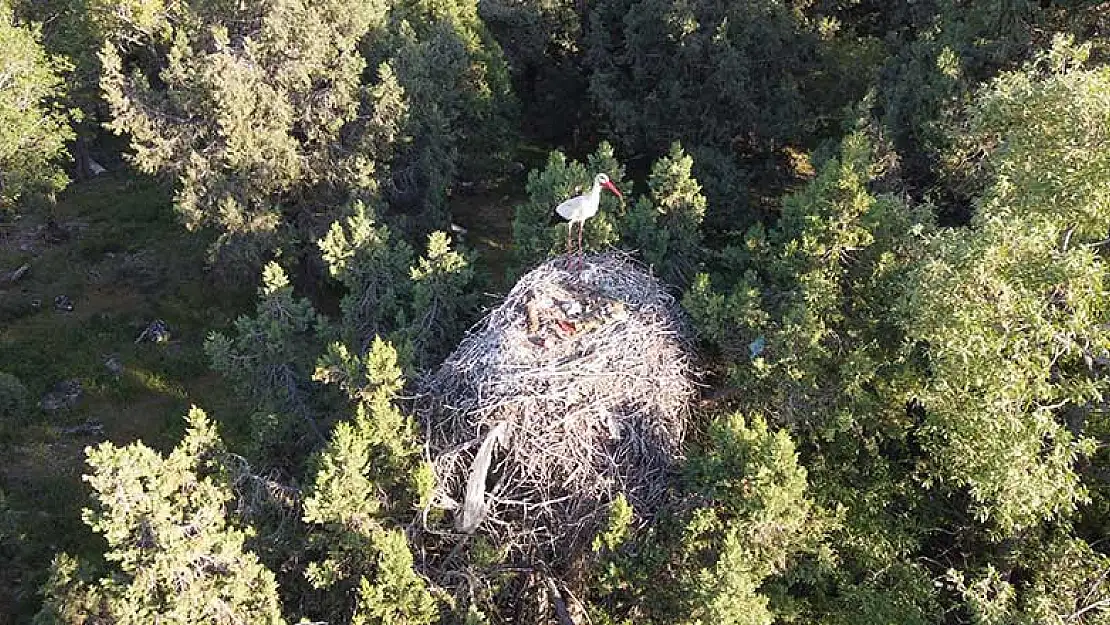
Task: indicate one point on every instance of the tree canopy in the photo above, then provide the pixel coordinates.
(34, 125)
(885, 225)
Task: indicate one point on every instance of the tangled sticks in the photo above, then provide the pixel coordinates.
(574, 390)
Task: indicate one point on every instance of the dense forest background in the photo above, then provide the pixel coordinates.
(887, 222)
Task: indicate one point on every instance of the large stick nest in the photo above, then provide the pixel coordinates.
(576, 389)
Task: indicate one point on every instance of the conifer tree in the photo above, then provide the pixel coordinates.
(374, 454)
(809, 329)
(666, 228)
(423, 307)
(733, 82)
(258, 109)
(264, 112)
(758, 517)
(534, 238)
(751, 516)
(1013, 308)
(542, 42)
(34, 126)
(1066, 585)
(366, 257)
(930, 77)
(269, 358)
(443, 299)
(463, 111)
(807, 322)
(173, 553)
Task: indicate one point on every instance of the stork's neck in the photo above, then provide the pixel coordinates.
(595, 191)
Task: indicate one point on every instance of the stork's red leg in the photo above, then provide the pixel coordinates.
(580, 227)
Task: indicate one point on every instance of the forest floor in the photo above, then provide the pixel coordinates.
(116, 251)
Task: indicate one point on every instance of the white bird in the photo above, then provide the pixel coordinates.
(578, 209)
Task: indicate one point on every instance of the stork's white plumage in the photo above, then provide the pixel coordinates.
(578, 209)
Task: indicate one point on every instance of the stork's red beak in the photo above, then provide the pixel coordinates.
(612, 187)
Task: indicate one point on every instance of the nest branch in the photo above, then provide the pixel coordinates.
(587, 379)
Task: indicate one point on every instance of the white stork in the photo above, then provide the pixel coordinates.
(578, 209)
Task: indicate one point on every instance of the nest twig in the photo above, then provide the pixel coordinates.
(576, 389)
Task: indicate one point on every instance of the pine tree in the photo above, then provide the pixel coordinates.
(463, 111)
(443, 299)
(372, 265)
(750, 515)
(1066, 585)
(809, 329)
(256, 108)
(667, 229)
(759, 517)
(807, 321)
(34, 126)
(173, 553)
(270, 358)
(542, 42)
(534, 239)
(733, 82)
(423, 307)
(374, 454)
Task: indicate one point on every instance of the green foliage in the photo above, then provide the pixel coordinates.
(270, 359)
(808, 329)
(126, 264)
(807, 321)
(542, 42)
(271, 355)
(642, 93)
(425, 307)
(1050, 117)
(534, 240)
(931, 370)
(371, 264)
(374, 454)
(172, 554)
(1066, 585)
(456, 80)
(34, 126)
(903, 593)
(69, 30)
(928, 79)
(1013, 309)
(757, 517)
(135, 21)
(254, 133)
(932, 429)
(398, 595)
(667, 228)
(13, 397)
(768, 65)
(752, 516)
(616, 531)
(263, 125)
(380, 436)
(443, 299)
